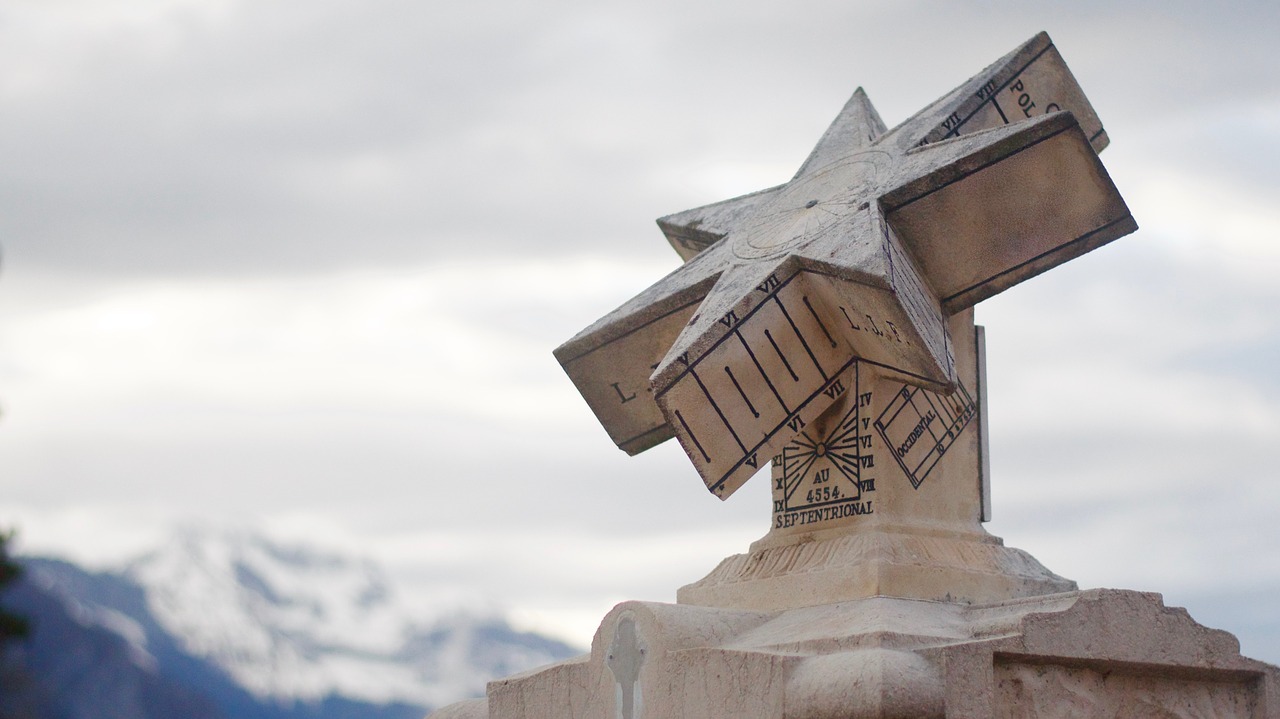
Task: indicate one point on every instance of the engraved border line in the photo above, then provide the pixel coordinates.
(1086, 236)
(1016, 151)
(632, 331)
(956, 131)
(654, 430)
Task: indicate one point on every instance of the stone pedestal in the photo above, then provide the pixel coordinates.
(1095, 653)
(888, 599)
(824, 327)
(877, 593)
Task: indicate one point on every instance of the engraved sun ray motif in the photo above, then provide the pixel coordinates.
(860, 258)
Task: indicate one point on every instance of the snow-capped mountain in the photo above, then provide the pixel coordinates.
(284, 628)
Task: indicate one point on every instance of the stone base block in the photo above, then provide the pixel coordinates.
(1096, 653)
(946, 566)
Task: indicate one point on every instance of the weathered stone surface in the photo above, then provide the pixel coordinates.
(1053, 691)
(870, 682)
(868, 564)
(1098, 653)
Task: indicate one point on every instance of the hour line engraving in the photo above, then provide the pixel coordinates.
(818, 320)
(693, 437)
(781, 356)
(738, 387)
(717, 409)
(783, 309)
(763, 375)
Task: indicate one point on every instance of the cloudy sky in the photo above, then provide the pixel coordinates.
(301, 265)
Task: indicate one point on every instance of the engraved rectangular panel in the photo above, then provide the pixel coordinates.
(1012, 219)
(919, 426)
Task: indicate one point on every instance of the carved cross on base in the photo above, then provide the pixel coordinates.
(861, 262)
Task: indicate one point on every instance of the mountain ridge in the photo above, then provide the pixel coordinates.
(255, 629)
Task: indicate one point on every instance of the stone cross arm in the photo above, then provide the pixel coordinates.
(861, 257)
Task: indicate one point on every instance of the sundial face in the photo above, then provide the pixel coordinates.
(754, 349)
(821, 467)
(883, 438)
(817, 206)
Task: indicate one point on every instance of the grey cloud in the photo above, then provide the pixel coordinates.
(383, 470)
(304, 138)
(299, 138)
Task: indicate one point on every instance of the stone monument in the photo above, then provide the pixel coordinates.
(824, 329)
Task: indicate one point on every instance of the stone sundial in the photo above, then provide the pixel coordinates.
(823, 326)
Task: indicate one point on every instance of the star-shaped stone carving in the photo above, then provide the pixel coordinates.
(878, 238)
